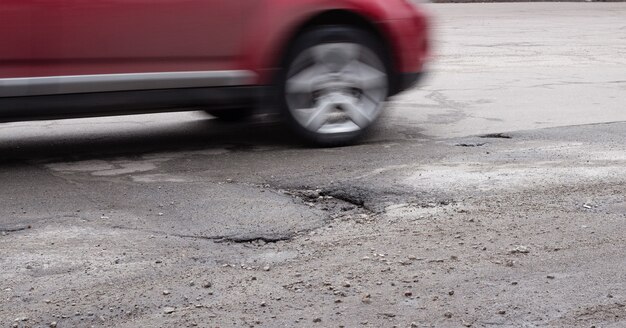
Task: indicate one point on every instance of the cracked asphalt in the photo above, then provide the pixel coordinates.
(491, 196)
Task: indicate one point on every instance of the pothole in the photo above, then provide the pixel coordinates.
(333, 200)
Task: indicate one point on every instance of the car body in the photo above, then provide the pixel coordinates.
(76, 58)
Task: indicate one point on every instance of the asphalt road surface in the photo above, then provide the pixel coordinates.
(493, 196)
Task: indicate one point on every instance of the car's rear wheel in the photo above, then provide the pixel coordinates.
(334, 84)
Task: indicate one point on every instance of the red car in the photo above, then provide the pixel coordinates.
(327, 65)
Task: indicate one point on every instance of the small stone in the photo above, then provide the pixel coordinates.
(448, 314)
(53, 324)
(550, 276)
(346, 284)
(317, 320)
(514, 283)
(501, 312)
(414, 325)
(519, 250)
(207, 284)
(266, 268)
(408, 293)
(451, 293)
(339, 293)
(169, 310)
(263, 304)
(166, 292)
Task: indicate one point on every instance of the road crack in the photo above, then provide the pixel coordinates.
(496, 136)
(14, 229)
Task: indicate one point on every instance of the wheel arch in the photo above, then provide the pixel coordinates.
(350, 18)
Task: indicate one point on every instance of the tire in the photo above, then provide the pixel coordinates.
(333, 84)
(238, 114)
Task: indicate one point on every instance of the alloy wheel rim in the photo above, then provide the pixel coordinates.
(336, 88)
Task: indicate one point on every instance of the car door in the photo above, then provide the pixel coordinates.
(47, 38)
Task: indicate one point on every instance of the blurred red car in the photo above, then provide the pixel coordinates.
(328, 65)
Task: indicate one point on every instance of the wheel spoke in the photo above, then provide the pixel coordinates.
(367, 76)
(356, 113)
(303, 81)
(317, 119)
(369, 97)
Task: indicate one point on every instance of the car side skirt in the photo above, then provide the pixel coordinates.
(73, 84)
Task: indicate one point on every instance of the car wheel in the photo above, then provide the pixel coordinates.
(232, 114)
(333, 84)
